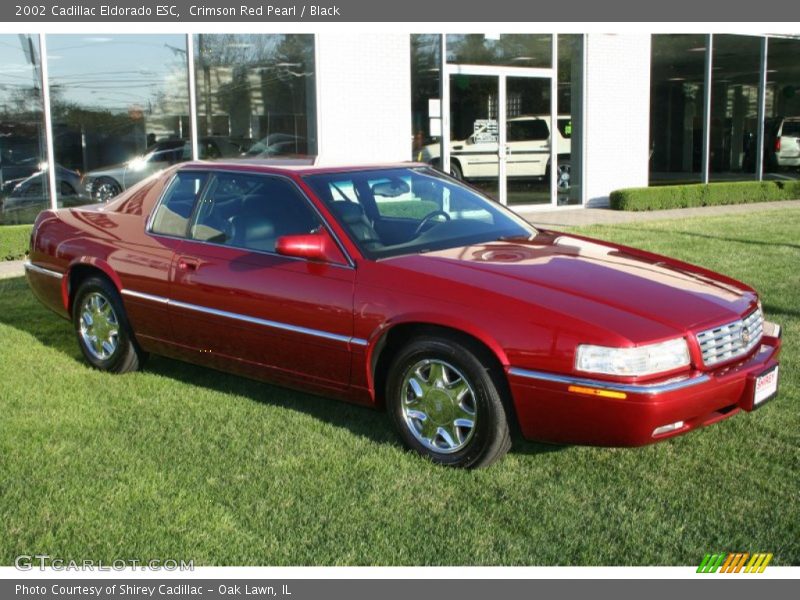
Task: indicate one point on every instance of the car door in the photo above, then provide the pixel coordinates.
(145, 257)
(236, 301)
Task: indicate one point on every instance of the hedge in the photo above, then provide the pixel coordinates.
(712, 194)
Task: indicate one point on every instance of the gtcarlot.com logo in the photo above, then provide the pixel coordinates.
(735, 562)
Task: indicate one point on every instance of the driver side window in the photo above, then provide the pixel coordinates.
(251, 212)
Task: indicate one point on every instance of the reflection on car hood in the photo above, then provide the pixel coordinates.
(652, 287)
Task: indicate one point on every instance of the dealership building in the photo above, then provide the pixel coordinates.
(535, 120)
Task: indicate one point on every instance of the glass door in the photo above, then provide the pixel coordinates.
(500, 133)
(475, 131)
(528, 138)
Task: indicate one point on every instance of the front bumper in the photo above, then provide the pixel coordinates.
(548, 411)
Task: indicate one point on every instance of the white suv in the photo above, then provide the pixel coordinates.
(527, 150)
(787, 143)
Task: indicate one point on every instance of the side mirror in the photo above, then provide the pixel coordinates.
(318, 247)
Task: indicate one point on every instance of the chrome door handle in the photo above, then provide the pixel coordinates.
(188, 264)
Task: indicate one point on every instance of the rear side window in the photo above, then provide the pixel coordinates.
(791, 128)
(173, 213)
(535, 130)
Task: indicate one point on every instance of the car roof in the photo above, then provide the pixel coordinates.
(300, 165)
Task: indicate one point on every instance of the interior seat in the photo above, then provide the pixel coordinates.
(353, 215)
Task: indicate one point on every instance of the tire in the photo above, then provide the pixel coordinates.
(105, 189)
(101, 326)
(439, 383)
(563, 176)
(455, 170)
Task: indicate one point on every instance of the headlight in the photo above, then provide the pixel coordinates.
(632, 362)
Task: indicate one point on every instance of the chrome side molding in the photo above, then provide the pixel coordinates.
(246, 318)
(29, 266)
(634, 388)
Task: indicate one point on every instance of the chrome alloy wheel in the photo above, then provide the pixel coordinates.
(99, 327)
(439, 406)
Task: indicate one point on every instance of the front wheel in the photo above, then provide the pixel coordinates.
(446, 404)
(103, 332)
(105, 189)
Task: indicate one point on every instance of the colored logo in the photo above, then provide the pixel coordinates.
(735, 562)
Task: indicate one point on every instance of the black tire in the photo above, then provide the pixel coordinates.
(105, 188)
(455, 170)
(489, 438)
(126, 355)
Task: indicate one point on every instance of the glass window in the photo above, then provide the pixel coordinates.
(782, 127)
(256, 94)
(569, 119)
(514, 50)
(426, 121)
(533, 129)
(252, 212)
(23, 154)
(173, 213)
(120, 107)
(403, 211)
(677, 77)
(734, 107)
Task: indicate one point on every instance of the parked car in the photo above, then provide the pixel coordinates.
(399, 287)
(787, 142)
(527, 151)
(24, 198)
(107, 182)
(278, 144)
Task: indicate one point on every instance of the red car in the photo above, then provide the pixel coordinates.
(398, 286)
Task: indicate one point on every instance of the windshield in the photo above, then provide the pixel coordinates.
(409, 210)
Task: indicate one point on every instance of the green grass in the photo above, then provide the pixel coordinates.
(185, 463)
(14, 240)
(415, 209)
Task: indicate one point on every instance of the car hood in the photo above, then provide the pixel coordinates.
(552, 265)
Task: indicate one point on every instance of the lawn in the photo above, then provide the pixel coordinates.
(14, 241)
(184, 463)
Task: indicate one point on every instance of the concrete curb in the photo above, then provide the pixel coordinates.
(12, 268)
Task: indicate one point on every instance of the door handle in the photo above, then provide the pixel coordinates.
(186, 264)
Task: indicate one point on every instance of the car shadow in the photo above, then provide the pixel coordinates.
(54, 332)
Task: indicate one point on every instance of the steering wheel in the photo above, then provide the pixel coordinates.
(427, 218)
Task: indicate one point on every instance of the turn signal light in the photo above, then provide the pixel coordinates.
(597, 392)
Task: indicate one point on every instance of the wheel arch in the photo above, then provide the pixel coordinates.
(81, 268)
(391, 339)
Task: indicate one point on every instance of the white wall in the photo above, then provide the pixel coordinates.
(617, 118)
(363, 97)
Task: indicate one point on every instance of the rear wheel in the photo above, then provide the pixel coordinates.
(563, 176)
(102, 329)
(446, 405)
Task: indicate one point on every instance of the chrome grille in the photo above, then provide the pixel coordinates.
(725, 342)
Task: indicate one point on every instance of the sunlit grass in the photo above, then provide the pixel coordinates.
(185, 463)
